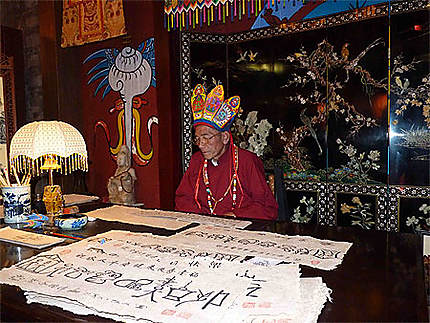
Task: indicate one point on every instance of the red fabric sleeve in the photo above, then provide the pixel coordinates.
(184, 198)
(261, 203)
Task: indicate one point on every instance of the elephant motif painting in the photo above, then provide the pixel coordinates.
(130, 72)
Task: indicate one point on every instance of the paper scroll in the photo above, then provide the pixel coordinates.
(162, 219)
(28, 239)
(304, 250)
(138, 216)
(116, 275)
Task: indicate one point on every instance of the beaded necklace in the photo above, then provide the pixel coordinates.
(212, 201)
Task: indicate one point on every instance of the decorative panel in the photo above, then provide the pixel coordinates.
(415, 214)
(410, 100)
(322, 102)
(356, 210)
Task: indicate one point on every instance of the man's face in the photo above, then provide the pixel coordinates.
(211, 142)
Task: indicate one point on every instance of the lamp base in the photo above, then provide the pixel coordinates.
(53, 199)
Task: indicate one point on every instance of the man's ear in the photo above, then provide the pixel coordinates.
(225, 137)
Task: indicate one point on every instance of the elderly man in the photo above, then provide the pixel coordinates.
(222, 179)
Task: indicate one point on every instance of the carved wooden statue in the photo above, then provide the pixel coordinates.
(121, 185)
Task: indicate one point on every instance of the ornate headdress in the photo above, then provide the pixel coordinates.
(212, 110)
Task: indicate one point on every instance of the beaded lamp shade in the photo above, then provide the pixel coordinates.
(59, 143)
(212, 110)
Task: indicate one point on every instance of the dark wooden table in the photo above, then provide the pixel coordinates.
(380, 279)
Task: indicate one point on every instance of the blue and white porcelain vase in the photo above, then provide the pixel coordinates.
(16, 203)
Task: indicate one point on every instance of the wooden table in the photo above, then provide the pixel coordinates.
(380, 279)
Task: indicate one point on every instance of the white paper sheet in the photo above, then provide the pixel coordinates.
(154, 217)
(426, 245)
(314, 294)
(75, 199)
(115, 275)
(303, 250)
(28, 239)
(212, 220)
(138, 216)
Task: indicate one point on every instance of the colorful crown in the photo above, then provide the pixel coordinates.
(212, 110)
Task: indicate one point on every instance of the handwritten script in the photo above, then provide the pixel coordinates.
(135, 276)
(304, 250)
(170, 220)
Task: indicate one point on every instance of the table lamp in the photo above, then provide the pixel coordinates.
(48, 145)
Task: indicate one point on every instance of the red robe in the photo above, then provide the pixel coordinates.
(254, 198)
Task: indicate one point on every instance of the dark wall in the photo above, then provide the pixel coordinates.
(11, 46)
(24, 16)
